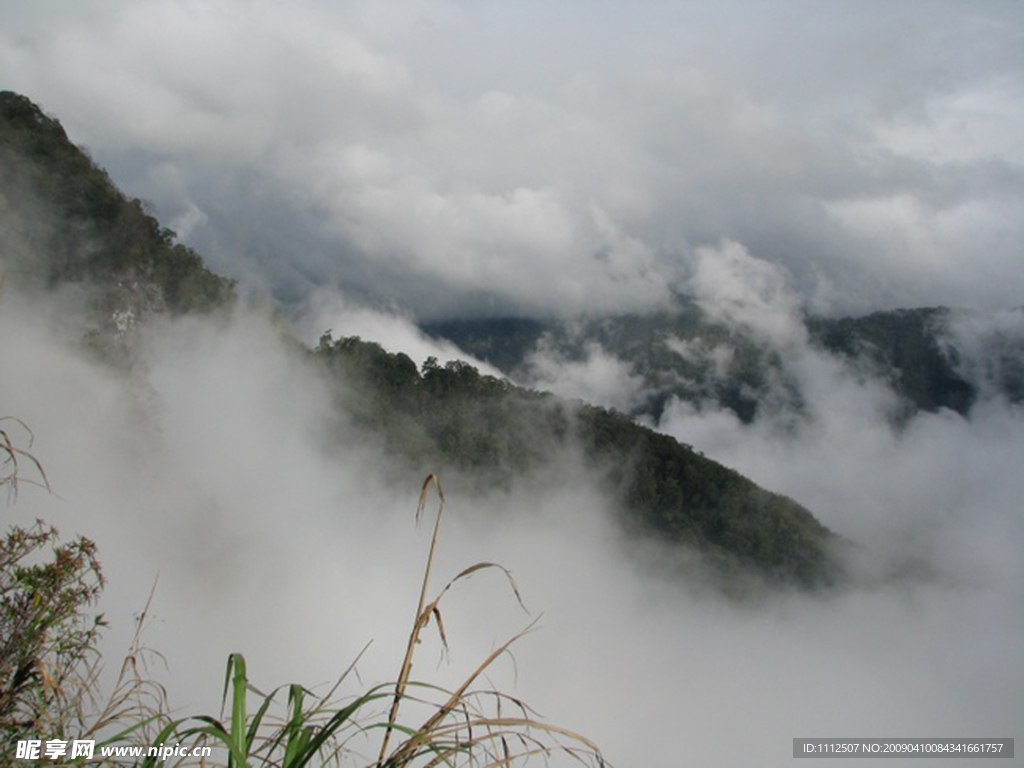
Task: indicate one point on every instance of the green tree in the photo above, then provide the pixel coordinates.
(47, 635)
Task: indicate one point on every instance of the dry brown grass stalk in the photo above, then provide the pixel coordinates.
(12, 457)
(456, 728)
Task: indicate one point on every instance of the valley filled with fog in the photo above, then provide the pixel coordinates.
(366, 171)
(213, 476)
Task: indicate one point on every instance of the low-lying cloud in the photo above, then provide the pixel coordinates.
(221, 468)
(931, 506)
(597, 377)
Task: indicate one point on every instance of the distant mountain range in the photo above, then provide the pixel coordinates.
(66, 226)
(681, 355)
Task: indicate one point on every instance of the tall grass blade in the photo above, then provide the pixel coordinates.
(421, 616)
(463, 727)
(240, 690)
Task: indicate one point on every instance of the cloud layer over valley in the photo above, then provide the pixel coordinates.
(221, 469)
(364, 167)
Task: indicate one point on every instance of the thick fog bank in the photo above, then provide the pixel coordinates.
(924, 638)
(218, 469)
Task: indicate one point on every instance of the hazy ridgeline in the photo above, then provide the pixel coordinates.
(214, 458)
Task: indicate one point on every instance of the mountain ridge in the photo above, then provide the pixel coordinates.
(72, 226)
(680, 355)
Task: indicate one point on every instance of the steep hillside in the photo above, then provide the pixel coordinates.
(907, 346)
(489, 430)
(66, 224)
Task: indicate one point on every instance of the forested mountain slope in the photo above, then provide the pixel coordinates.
(64, 222)
(65, 225)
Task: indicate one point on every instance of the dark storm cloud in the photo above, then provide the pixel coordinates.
(556, 158)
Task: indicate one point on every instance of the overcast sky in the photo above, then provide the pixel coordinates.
(438, 158)
(442, 158)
